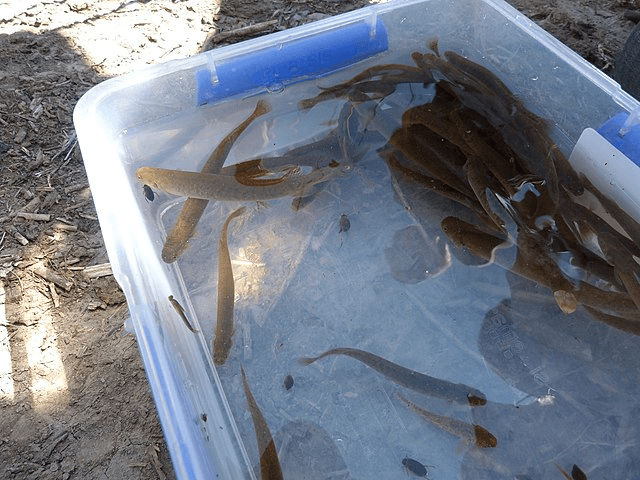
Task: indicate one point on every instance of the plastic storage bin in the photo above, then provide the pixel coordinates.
(561, 389)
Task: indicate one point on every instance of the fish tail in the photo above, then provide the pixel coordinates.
(484, 438)
(262, 107)
(333, 351)
(307, 360)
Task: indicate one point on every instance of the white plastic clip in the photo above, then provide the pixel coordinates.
(632, 120)
(212, 69)
(372, 20)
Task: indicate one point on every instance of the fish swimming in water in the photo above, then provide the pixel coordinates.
(270, 468)
(470, 434)
(210, 186)
(226, 296)
(181, 312)
(178, 238)
(416, 381)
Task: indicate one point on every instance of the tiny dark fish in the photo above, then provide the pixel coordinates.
(415, 467)
(180, 311)
(288, 382)
(148, 193)
(345, 224)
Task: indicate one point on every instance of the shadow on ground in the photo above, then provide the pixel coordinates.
(73, 392)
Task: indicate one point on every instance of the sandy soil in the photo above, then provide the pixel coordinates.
(74, 396)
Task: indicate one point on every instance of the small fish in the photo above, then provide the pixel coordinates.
(623, 264)
(181, 312)
(269, 464)
(364, 83)
(148, 193)
(345, 224)
(226, 296)
(576, 473)
(471, 434)
(415, 467)
(178, 239)
(418, 382)
(288, 382)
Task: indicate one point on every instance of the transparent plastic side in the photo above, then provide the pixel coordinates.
(387, 283)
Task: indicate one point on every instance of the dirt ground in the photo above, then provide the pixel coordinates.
(74, 395)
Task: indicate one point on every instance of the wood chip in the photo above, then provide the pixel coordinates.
(76, 187)
(20, 136)
(38, 217)
(42, 271)
(153, 452)
(94, 305)
(65, 227)
(71, 261)
(17, 235)
(50, 200)
(31, 206)
(54, 295)
(217, 37)
(96, 271)
(77, 205)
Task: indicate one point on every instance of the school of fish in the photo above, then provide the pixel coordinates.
(511, 199)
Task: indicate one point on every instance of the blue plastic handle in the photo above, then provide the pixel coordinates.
(291, 62)
(629, 143)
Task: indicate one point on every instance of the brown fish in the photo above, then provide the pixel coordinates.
(226, 296)
(471, 434)
(269, 464)
(253, 174)
(181, 312)
(364, 82)
(410, 142)
(398, 168)
(209, 186)
(178, 238)
(416, 381)
(624, 324)
(625, 267)
(466, 235)
(533, 263)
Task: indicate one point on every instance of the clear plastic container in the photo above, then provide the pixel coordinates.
(561, 389)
